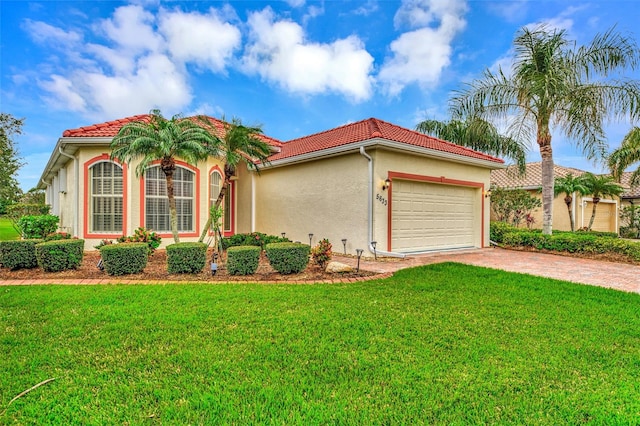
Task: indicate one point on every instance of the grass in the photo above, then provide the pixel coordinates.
(6, 230)
(439, 344)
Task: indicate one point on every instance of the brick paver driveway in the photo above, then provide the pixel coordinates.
(619, 276)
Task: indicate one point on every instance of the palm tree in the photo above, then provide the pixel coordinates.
(478, 135)
(569, 185)
(164, 140)
(240, 144)
(554, 85)
(627, 154)
(599, 187)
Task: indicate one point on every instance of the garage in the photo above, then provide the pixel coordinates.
(605, 219)
(431, 216)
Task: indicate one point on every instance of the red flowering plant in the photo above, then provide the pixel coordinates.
(321, 253)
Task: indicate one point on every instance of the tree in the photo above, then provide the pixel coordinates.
(627, 154)
(513, 205)
(478, 135)
(599, 187)
(9, 161)
(569, 185)
(554, 85)
(240, 144)
(164, 140)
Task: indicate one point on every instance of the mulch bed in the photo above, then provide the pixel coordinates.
(156, 270)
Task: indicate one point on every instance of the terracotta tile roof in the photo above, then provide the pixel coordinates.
(111, 128)
(630, 191)
(370, 129)
(509, 178)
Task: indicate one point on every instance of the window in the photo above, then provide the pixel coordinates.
(216, 184)
(106, 197)
(157, 203)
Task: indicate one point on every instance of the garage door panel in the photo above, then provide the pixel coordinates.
(427, 216)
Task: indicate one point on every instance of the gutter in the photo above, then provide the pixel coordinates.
(76, 197)
(370, 211)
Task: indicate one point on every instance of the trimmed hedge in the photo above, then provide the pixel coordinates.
(56, 256)
(124, 258)
(243, 260)
(571, 242)
(186, 258)
(253, 239)
(18, 254)
(288, 258)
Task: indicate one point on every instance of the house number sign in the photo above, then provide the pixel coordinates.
(382, 200)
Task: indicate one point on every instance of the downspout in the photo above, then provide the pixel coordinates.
(573, 207)
(370, 211)
(253, 202)
(75, 192)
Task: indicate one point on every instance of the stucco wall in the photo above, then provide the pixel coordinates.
(327, 198)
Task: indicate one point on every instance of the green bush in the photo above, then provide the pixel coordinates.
(578, 242)
(125, 258)
(37, 226)
(288, 258)
(142, 235)
(243, 260)
(253, 239)
(18, 254)
(497, 230)
(56, 256)
(56, 236)
(186, 258)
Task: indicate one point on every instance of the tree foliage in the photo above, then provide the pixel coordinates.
(513, 205)
(626, 155)
(567, 186)
(10, 162)
(554, 85)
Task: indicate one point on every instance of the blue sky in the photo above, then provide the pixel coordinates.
(296, 67)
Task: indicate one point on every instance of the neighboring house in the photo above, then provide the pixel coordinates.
(363, 182)
(581, 208)
(631, 194)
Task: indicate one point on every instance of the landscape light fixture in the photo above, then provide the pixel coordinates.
(310, 237)
(487, 193)
(344, 244)
(359, 253)
(283, 234)
(373, 244)
(386, 184)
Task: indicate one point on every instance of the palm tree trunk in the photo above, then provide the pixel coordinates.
(173, 212)
(568, 201)
(223, 193)
(593, 212)
(546, 153)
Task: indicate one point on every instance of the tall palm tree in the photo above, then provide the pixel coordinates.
(240, 144)
(569, 185)
(599, 187)
(554, 85)
(164, 140)
(627, 154)
(479, 135)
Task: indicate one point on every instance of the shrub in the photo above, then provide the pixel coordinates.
(252, 239)
(37, 226)
(126, 258)
(288, 258)
(186, 258)
(19, 254)
(103, 243)
(142, 235)
(321, 253)
(243, 260)
(56, 256)
(56, 236)
(497, 230)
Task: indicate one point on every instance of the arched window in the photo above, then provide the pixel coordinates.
(157, 203)
(216, 185)
(106, 201)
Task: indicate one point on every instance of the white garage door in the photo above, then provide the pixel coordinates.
(605, 219)
(429, 216)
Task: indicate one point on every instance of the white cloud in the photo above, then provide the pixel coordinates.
(366, 9)
(132, 29)
(419, 56)
(295, 3)
(279, 53)
(511, 11)
(42, 32)
(64, 94)
(202, 39)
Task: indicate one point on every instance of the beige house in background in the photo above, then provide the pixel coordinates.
(607, 212)
(369, 182)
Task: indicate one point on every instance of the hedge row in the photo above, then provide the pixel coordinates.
(571, 242)
(124, 258)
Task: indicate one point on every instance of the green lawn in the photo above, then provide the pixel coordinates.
(6, 230)
(441, 344)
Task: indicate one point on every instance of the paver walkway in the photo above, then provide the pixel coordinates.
(619, 276)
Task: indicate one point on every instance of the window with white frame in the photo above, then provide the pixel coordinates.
(157, 202)
(105, 180)
(216, 185)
